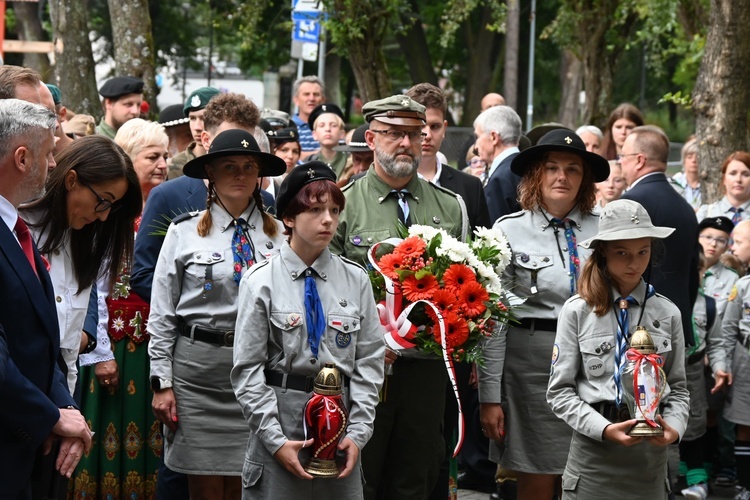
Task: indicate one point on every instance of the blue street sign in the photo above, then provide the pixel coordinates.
(306, 27)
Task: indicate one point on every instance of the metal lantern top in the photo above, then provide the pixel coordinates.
(642, 341)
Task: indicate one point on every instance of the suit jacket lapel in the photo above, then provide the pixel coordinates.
(39, 289)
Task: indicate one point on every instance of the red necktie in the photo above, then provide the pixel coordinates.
(24, 238)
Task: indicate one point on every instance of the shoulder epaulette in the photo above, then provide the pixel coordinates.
(257, 266)
(351, 262)
(514, 215)
(184, 216)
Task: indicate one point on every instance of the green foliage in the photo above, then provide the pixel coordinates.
(458, 12)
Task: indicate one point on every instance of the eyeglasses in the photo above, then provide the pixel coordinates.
(711, 239)
(619, 158)
(398, 135)
(103, 204)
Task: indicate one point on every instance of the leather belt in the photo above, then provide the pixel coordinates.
(547, 325)
(222, 338)
(611, 412)
(291, 381)
(696, 356)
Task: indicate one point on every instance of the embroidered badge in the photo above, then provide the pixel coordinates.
(745, 310)
(555, 354)
(732, 294)
(343, 339)
(195, 101)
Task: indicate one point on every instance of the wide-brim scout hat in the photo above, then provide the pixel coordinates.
(235, 142)
(120, 86)
(561, 140)
(626, 220)
(721, 223)
(289, 134)
(358, 144)
(540, 131)
(395, 110)
(299, 177)
(321, 109)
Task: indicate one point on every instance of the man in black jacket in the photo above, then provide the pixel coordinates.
(675, 275)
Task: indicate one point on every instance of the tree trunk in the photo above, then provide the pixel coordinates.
(570, 81)
(721, 96)
(413, 43)
(481, 45)
(370, 70)
(29, 28)
(512, 37)
(74, 61)
(133, 43)
(333, 78)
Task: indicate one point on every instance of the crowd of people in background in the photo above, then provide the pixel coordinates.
(157, 334)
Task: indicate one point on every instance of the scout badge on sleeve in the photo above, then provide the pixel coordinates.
(325, 420)
(643, 381)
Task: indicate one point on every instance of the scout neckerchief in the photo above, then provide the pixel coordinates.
(316, 320)
(736, 214)
(622, 315)
(243, 250)
(574, 263)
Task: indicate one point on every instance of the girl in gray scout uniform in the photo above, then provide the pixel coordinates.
(590, 345)
(194, 308)
(718, 280)
(708, 343)
(300, 310)
(736, 330)
(735, 184)
(557, 194)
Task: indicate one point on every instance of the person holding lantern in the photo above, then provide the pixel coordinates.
(603, 357)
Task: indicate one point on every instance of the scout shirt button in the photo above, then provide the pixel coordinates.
(251, 227)
(294, 275)
(416, 198)
(58, 298)
(313, 361)
(665, 343)
(545, 259)
(269, 245)
(346, 326)
(323, 275)
(342, 302)
(369, 240)
(524, 257)
(656, 323)
(436, 219)
(380, 199)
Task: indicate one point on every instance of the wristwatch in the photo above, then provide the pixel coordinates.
(157, 384)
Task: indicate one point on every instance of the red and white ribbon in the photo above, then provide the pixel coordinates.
(655, 361)
(400, 331)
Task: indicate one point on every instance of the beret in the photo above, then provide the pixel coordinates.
(721, 223)
(321, 109)
(120, 86)
(198, 99)
(56, 93)
(299, 177)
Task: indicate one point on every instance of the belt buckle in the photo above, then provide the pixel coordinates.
(309, 384)
(623, 414)
(228, 338)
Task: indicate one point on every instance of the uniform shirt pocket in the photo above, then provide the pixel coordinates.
(597, 355)
(342, 335)
(208, 265)
(534, 271)
(366, 238)
(251, 473)
(287, 327)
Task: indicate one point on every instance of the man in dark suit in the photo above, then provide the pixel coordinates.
(497, 132)
(675, 274)
(36, 405)
(430, 167)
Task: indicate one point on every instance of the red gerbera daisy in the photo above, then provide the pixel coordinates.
(419, 289)
(389, 264)
(456, 276)
(456, 331)
(473, 296)
(412, 247)
(444, 299)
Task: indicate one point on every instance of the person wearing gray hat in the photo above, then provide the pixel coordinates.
(557, 194)
(403, 457)
(122, 98)
(304, 309)
(194, 305)
(586, 388)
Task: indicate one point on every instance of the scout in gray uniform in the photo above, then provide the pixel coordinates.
(403, 457)
(736, 329)
(557, 194)
(279, 348)
(718, 281)
(194, 308)
(708, 343)
(591, 334)
(735, 204)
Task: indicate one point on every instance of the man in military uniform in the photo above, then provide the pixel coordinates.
(403, 457)
(194, 109)
(123, 96)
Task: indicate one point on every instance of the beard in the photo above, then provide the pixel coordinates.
(34, 184)
(395, 167)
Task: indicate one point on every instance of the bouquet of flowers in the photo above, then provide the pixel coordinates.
(439, 294)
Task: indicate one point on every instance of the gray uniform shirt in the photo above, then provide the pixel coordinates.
(178, 290)
(535, 272)
(710, 340)
(736, 323)
(718, 283)
(582, 371)
(720, 208)
(271, 334)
